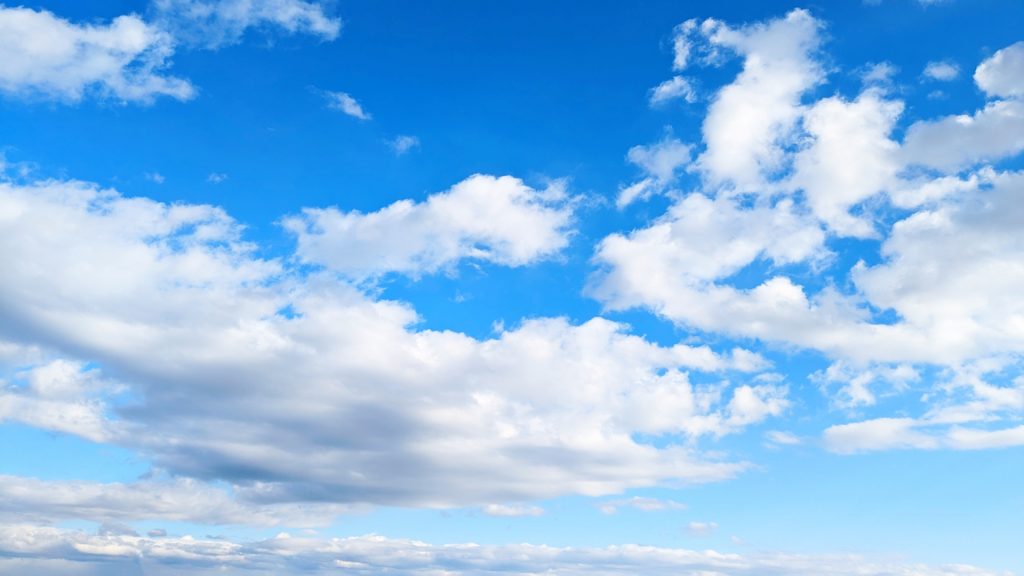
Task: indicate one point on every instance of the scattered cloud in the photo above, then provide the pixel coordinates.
(642, 503)
(155, 177)
(512, 510)
(675, 88)
(659, 163)
(347, 104)
(781, 438)
(216, 177)
(701, 528)
(215, 23)
(942, 70)
(402, 144)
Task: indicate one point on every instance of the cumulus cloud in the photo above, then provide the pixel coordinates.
(991, 133)
(750, 120)
(849, 159)
(43, 55)
(214, 23)
(1001, 74)
(28, 548)
(340, 398)
(499, 220)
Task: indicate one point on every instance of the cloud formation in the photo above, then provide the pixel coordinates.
(499, 220)
(43, 55)
(302, 388)
(65, 552)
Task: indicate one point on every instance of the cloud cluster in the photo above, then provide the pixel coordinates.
(29, 548)
(785, 179)
(300, 387)
(45, 56)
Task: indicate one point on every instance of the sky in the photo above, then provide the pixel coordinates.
(293, 287)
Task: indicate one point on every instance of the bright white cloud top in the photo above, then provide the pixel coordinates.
(817, 267)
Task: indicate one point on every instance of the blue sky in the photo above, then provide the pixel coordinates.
(298, 287)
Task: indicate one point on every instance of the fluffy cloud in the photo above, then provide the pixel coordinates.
(750, 120)
(499, 220)
(213, 23)
(27, 548)
(1002, 75)
(992, 133)
(850, 158)
(44, 55)
(780, 189)
(302, 388)
(700, 240)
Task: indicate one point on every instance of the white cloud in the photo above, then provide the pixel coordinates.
(941, 70)
(682, 44)
(659, 163)
(173, 500)
(155, 177)
(214, 23)
(674, 88)
(878, 434)
(849, 158)
(698, 241)
(782, 438)
(696, 528)
(751, 119)
(347, 104)
(991, 133)
(216, 177)
(512, 510)
(1002, 75)
(43, 55)
(956, 142)
(880, 74)
(404, 143)
(856, 382)
(60, 396)
(35, 549)
(642, 503)
(910, 433)
(343, 399)
(499, 220)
